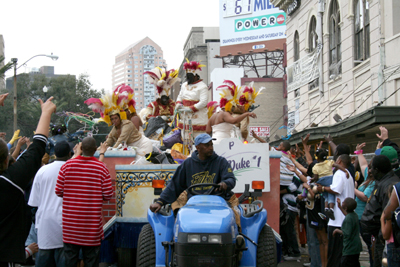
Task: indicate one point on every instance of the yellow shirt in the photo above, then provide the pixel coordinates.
(323, 169)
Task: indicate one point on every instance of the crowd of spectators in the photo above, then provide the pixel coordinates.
(51, 211)
(348, 198)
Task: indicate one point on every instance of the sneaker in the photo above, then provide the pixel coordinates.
(292, 257)
(307, 264)
(330, 214)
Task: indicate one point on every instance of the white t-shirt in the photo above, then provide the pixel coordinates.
(49, 214)
(345, 187)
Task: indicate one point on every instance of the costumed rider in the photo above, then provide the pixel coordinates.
(204, 166)
(124, 133)
(222, 124)
(163, 106)
(245, 103)
(193, 97)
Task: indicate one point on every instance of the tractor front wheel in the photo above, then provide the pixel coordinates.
(266, 250)
(146, 250)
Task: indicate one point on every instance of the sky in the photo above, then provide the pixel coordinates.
(87, 34)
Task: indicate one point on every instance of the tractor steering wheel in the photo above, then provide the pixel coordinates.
(208, 192)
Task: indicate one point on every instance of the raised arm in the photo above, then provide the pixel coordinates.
(257, 137)
(361, 159)
(307, 149)
(329, 140)
(233, 120)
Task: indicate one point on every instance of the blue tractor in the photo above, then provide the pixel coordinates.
(204, 233)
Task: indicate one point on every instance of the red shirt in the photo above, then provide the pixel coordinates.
(83, 183)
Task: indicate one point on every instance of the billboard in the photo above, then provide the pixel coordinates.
(250, 21)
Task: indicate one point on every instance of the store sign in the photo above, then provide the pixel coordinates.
(249, 162)
(261, 131)
(293, 7)
(247, 21)
(303, 71)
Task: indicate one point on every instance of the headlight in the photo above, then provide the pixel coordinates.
(193, 238)
(214, 239)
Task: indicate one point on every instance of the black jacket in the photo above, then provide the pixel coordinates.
(12, 204)
(370, 220)
(192, 171)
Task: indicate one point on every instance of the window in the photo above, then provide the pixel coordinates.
(136, 75)
(136, 57)
(129, 66)
(136, 62)
(129, 75)
(129, 80)
(136, 80)
(129, 71)
(297, 93)
(361, 30)
(136, 71)
(312, 34)
(296, 46)
(335, 52)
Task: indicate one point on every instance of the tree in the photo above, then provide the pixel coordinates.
(69, 95)
(5, 68)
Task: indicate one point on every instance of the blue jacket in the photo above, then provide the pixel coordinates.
(192, 171)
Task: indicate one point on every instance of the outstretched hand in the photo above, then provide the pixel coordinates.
(384, 133)
(305, 139)
(252, 114)
(48, 106)
(328, 138)
(360, 146)
(2, 98)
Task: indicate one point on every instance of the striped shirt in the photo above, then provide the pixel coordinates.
(83, 183)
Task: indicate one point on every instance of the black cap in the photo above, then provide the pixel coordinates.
(62, 149)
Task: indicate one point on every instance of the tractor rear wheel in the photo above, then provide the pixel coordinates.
(146, 250)
(266, 250)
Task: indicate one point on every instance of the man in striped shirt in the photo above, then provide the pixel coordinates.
(83, 183)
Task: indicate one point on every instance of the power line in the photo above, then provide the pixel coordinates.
(374, 91)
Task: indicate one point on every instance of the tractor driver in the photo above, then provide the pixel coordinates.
(204, 166)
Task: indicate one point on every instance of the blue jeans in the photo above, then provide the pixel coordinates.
(393, 255)
(313, 247)
(50, 257)
(327, 181)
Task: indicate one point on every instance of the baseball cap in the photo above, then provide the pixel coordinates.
(389, 152)
(203, 139)
(62, 149)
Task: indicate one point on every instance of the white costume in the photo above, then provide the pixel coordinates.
(195, 96)
(224, 130)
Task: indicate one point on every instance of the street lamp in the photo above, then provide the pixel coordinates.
(45, 89)
(14, 61)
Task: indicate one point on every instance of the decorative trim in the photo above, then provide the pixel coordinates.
(132, 178)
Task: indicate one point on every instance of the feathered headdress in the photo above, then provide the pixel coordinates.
(162, 79)
(228, 95)
(247, 95)
(211, 108)
(192, 66)
(115, 103)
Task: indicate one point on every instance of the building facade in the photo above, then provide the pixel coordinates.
(341, 60)
(2, 81)
(202, 44)
(130, 64)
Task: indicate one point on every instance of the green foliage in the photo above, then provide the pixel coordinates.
(69, 95)
(5, 68)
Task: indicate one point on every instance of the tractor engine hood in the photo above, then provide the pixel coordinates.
(205, 214)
